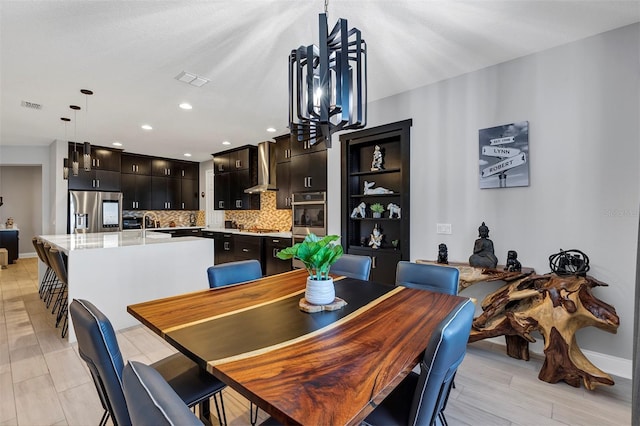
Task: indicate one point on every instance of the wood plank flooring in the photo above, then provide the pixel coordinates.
(44, 382)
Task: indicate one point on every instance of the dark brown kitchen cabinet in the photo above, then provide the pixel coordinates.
(188, 194)
(222, 247)
(235, 171)
(283, 148)
(357, 154)
(135, 164)
(300, 148)
(272, 263)
(309, 172)
(163, 167)
(246, 247)
(9, 239)
(283, 180)
(165, 193)
(105, 158)
(136, 192)
(95, 180)
(187, 170)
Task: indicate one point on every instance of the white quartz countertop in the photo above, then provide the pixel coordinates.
(254, 234)
(101, 240)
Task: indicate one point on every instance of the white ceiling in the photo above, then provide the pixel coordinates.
(128, 53)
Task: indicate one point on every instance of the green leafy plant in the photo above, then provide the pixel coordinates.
(317, 254)
(377, 208)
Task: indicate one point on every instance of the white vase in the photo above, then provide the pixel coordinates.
(320, 292)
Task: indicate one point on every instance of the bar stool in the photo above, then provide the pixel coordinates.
(49, 275)
(60, 307)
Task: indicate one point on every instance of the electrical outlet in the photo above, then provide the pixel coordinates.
(443, 228)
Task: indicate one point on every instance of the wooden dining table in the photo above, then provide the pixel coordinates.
(324, 368)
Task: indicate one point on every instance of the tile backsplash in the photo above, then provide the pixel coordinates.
(267, 217)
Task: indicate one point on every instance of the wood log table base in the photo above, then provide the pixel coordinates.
(311, 308)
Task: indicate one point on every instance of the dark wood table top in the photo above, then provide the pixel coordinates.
(327, 368)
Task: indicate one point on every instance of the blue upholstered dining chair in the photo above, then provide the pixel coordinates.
(98, 347)
(420, 399)
(426, 276)
(233, 273)
(151, 400)
(352, 266)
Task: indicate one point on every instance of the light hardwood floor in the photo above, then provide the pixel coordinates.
(44, 382)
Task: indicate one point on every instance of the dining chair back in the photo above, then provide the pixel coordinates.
(234, 272)
(151, 400)
(352, 266)
(426, 276)
(420, 399)
(98, 347)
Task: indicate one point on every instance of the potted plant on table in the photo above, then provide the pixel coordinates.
(377, 210)
(317, 254)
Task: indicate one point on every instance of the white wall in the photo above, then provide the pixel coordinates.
(581, 101)
(21, 188)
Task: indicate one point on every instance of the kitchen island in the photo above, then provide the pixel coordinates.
(115, 269)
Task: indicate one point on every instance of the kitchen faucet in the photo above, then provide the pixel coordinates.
(144, 222)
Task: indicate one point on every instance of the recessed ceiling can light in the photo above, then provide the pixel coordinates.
(116, 144)
(186, 154)
(226, 143)
(271, 130)
(185, 105)
(146, 127)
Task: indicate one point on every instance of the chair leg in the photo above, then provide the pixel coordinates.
(103, 420)
(253, 417)
(223, 419)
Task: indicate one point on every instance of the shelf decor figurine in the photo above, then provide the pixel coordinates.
(377, 210)
(359, 210)
(375, 239)
(394, 209)
(369, 190)
(443, 254)
(483, 255)
(317, 254)
(513, 264)
(378, 159)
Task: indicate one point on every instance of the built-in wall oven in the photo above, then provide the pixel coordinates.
(309, 215)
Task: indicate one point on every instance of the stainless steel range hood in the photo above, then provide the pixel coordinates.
(266, 169)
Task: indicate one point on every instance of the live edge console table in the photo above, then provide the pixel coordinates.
(555, 306)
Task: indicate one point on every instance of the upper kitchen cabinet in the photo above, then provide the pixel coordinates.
(106, 158)
(283, 148)
(187, 169)
(135, 164)
(97, 179)
(388, 183)
(308, 172)
(165, 193)
(136, 191)
(236, 170)
(163, 167)
(299, 148)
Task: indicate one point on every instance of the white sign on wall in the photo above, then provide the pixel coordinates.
(504, 155)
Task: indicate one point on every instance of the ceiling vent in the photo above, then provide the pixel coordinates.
(192, 79)
(31, 105)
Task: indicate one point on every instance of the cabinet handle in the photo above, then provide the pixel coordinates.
(373, 262)
(275, 241)
(225, 245)
(97, 162)
(275, 252)
(245, 250)
(238, 164)
(182, 206)
(182, 173)
(221, 204)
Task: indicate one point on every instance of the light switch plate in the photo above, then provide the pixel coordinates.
(443, 228)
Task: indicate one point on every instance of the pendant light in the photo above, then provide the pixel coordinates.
(65, 162)
(86, 158)
(75, 165)
(328, 84)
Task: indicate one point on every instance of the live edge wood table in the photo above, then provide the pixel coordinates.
(326, 368)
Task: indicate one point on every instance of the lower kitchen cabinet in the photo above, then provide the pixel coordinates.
(9, 240)
(246, 247)
(272, 263)
(383, 263)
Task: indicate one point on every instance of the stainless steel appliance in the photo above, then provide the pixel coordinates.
(309, 213)
(95, 211)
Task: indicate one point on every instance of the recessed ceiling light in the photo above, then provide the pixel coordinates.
(186, 154)
(116, 144)
(146, 127)
(226, 143)
(185, 105)
(271, 130)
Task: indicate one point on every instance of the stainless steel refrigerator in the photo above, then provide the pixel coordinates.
(95, 211)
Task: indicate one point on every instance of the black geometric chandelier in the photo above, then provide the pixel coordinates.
(328, 84)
